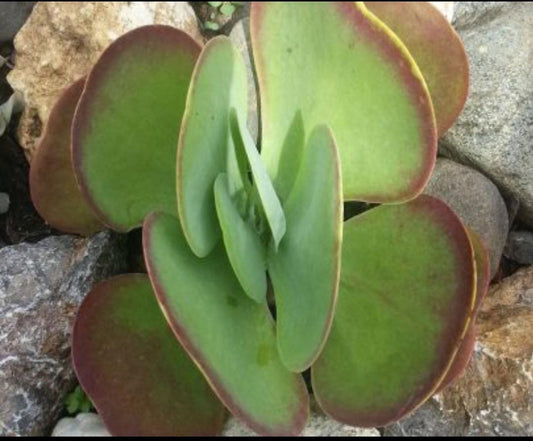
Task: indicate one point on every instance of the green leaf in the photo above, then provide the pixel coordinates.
(230, 337)
(218, 84)
(127, 359)
(305, 270)
(464, 354)
(406, 292)
(227, 9)
(54, 190)
(246, 252)
(437, 50)
(215, 4)
(336, 64)
(270, 204)
(211, 25)
(126, 126)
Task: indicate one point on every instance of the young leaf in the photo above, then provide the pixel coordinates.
(246, 252)
(126, 126)
(54, 190)
(406, 292)
(437, 50)
(218, 84)
(227, 9)
(338, 65)
(268, 199)
(139, 377)
(215, 4)
(230, 337)
(305, 270)
(211, 25)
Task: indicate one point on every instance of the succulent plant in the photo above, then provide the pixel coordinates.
(380, 307)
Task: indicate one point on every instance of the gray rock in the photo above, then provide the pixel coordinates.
(4, 203)
(519, 247)
(41, 287)
(495, 131)
(12, 17)
(85, 424)
(240, 36)
(493, 397)
(467, 14)
(476, 200)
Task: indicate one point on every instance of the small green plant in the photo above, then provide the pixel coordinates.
(77, 401)
(380, 307)
(224, 9)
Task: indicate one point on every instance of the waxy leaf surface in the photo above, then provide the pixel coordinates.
(53, 186)
(437, 50)
(466, 349)
(246, 252)
(266, 195)
(305, 270)
(126, 126)
(218, 84)
(405, 298)
(334, 63)
(138, 376)
(230, 337)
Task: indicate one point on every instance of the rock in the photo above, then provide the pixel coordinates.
(476, 200)
(4, 203)
(519, 247)
(12, 17)
(494, 133)
(62, 40)
(85, 424)
(467, 14)
(446, 8)
(494, 395)
(41, 287)
(240, 36)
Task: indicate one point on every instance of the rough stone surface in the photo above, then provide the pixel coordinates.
(4, 203)
(494, 397)
(84, 424)
(12, 17)
(240, 36)
(519, 247)
(476, 200)
(62, 40)
(41, 287)
(495, 131)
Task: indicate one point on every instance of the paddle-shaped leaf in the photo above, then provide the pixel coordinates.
(466, 349)
(305, 270)
(246, 252)
(230, 337)
(437, 50)
(218, 84)
(53, 186)
(334, 63)
(405, 297)
(126, 126)
(266, 195)
(138, 376)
